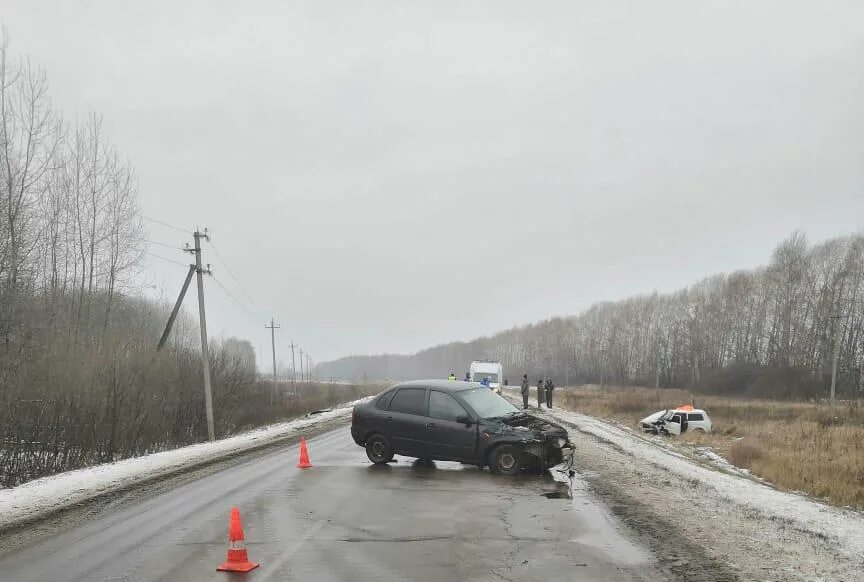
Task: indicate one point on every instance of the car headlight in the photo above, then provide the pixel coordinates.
(559, 442)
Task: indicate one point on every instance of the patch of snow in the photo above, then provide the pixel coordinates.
(721, 462)
(844, 527)
(49, 494)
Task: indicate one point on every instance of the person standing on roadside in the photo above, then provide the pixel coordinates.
(541, 394)
(525, 390)
(452, 376)
(550, 386)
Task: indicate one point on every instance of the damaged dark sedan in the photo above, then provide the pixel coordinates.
(456, 421)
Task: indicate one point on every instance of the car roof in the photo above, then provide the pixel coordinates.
(442, 385)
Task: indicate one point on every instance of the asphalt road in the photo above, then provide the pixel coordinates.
(344, 519)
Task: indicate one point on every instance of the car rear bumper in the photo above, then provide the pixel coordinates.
(358, 435)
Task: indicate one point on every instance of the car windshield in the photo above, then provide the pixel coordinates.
(486, 403)
(492, 377)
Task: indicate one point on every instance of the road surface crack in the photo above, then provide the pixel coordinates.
(398, 540)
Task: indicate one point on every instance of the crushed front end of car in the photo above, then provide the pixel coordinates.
(654, 423)
(544, 443)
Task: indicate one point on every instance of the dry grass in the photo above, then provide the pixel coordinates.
(797, 446)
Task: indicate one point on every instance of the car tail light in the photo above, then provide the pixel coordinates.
(353, 415)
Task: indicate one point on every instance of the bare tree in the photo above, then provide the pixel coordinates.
(29, 134)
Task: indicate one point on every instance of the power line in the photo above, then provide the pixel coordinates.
(167, 246)
(149, 254)
(245, 307)
(234, 277)
(163, 223)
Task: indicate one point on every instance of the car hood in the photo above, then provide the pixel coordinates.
(529, 422)
(651, 419)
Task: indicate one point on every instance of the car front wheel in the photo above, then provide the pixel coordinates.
(506, 460)
(378, 449)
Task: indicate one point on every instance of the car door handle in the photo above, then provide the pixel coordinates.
(388, 419)
(431, 425)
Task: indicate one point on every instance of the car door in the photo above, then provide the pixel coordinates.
(405, 422)
(673, 424)
(447, 438)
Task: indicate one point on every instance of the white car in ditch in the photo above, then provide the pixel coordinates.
(675, 421)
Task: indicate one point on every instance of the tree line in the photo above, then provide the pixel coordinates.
(80, 379)
(769, 332)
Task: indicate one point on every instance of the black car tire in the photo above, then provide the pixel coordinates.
(506, 460)
(379, 450)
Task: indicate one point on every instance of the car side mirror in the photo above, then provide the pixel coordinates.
(464, 419)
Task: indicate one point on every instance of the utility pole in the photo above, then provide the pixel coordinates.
(273, 327)
(836, 319)
(309, 367)
(293, 365)
(302, 376)
(202, 319)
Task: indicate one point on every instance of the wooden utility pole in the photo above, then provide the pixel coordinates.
(273, 327)
(202, 322)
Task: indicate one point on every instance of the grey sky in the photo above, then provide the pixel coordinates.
(384, 176)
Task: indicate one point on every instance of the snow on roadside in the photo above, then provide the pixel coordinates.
(844, 527)
(722, 462)
(49, 494)
(672, 445)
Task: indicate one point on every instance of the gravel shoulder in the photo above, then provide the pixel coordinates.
(704, 527)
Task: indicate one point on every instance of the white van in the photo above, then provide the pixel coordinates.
(493, 372)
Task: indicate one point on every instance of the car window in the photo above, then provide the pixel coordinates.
(409, 401)
(486, 403)
(695, 417)
(675, 418)
(444, 406)
(384, 400)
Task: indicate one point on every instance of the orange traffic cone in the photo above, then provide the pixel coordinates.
(238, 559)
(304, 455)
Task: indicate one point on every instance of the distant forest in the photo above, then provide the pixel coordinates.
(767, 332)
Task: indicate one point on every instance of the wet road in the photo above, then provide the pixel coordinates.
(344, 519)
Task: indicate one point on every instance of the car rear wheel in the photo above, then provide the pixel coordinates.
(379, 450)
(506, 460)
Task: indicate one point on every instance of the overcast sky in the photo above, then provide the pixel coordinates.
(384, 176)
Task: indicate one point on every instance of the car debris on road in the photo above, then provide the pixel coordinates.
(314, 412)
